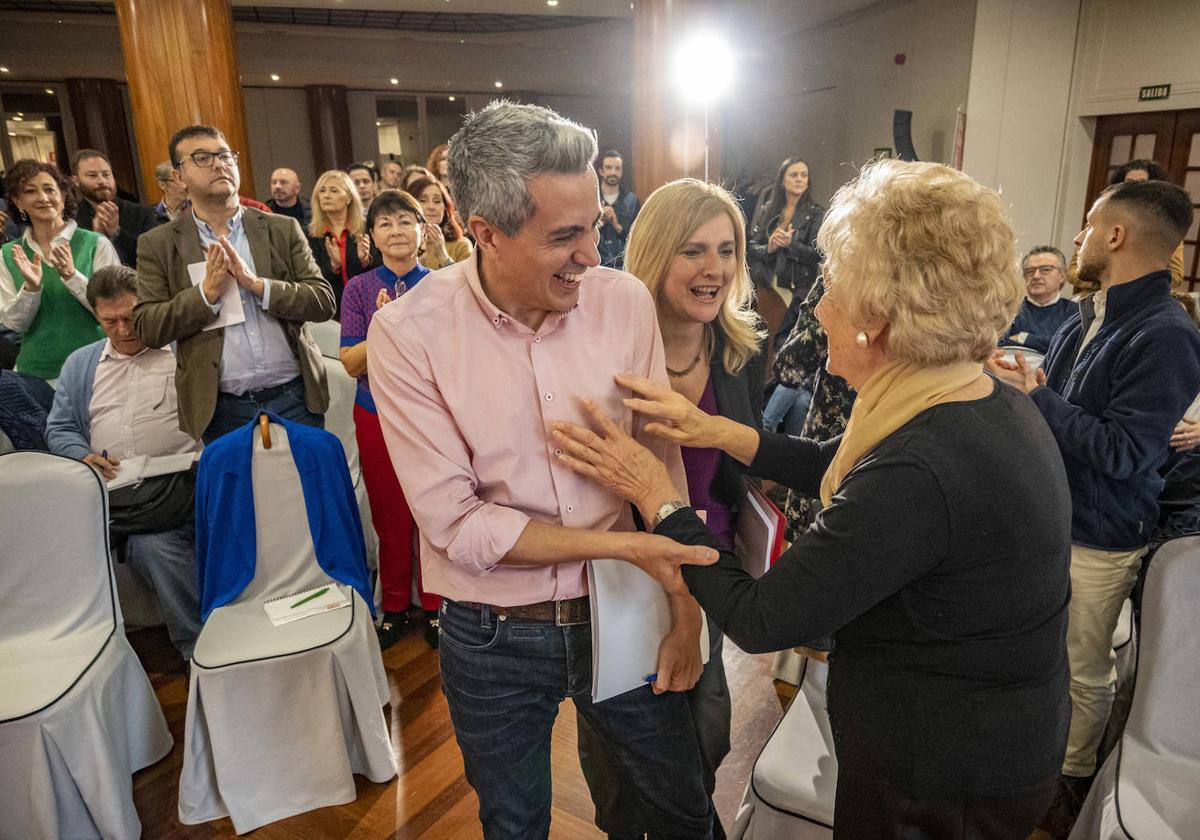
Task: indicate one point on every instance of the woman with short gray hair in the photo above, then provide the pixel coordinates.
(939, 563)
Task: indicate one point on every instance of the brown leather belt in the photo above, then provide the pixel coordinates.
(563, 613)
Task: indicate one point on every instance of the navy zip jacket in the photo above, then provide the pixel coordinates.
(1113, 410)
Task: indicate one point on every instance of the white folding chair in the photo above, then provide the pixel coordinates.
(1149, 787)
(280, 718)
(791, 789)
(77, 714)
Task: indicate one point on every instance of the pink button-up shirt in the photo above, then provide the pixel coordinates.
(466, 396)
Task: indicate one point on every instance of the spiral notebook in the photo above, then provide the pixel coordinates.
(320, 599)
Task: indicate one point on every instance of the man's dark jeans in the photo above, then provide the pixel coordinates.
(504, 679)
(286, 401)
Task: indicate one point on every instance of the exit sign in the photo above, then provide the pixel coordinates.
(1150, 92)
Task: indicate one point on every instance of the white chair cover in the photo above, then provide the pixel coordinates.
(280, 718)
(77, 714)
(1150, 785)
(791, 790)
(1124, 644)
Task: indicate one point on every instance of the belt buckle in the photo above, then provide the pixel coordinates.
(559, 621)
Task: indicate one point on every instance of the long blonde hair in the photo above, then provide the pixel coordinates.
(354, 212)
(670, 215)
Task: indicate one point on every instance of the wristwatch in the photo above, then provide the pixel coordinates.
(666, 510)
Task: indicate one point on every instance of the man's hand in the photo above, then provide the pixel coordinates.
(1018, 373)
(609, 216)
(60, 257)
(107, 467)
(1186, 435)
(31, 270)
(107, 219)
(240, 271)
(679, 664)
(661, 557)
(216, 273)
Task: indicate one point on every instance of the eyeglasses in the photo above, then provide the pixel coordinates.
(204, 159)
(1041, 271)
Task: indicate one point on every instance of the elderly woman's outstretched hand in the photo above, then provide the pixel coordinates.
(676, 418)
(610, 457)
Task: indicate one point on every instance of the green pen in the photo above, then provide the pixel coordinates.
(308, 598)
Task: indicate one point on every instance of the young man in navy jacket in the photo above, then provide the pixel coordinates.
(1117, 378)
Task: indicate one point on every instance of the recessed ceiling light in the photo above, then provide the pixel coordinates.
(498, 83)
(5, 69)
(12, 134)
(50, 91)
(460, 40)
(20, 113)
(551, 2)
(451, 98)
(274, 77)
(378, 123)
(18, 119)
(394, 80)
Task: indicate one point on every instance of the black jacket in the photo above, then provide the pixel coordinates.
(796, 266)
(739, 397)
(135, 219)
(354, 266)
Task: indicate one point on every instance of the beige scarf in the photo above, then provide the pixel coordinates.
(895, 394)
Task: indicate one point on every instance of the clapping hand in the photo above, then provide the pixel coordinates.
(382, 299)
(1016, 373)
(334, 251)
(31, 270)
(779, 239)
(107, 219)
(62, 260)
(363, 246)
(240, 271)
(435, 241)
(216, 273)
(1186, 435)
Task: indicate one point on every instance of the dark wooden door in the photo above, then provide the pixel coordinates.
(1184, 169)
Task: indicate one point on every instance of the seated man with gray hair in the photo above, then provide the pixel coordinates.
(1044, 309)
(468, 371)
(116, 400)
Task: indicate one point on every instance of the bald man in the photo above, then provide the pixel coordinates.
(285, 196)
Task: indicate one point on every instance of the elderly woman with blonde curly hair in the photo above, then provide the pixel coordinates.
(939, 561)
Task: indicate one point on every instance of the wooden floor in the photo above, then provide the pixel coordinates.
(431, 798)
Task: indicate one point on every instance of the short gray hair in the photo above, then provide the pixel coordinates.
(1046, 249)
(499, 149)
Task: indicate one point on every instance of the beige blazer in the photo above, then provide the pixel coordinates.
(170, 308)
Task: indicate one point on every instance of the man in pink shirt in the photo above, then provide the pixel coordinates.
(468, 371)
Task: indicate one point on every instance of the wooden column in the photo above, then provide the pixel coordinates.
(668, 133)
(329, 126)
(182, 70)
(98, 110)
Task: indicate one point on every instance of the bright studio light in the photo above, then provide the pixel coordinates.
(703, 68)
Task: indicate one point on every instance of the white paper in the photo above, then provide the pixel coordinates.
(138, 467)
(631, 614)
(281, 611)
(231, 311)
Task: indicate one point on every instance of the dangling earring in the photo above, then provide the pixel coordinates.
(862, 340)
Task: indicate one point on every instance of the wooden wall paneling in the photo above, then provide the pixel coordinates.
(329, 126)
(98, 110)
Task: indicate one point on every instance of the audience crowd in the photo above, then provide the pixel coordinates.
(842, 356)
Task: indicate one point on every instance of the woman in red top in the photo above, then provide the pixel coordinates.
(339, 243)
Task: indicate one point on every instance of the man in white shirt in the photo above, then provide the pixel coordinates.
(115, 400)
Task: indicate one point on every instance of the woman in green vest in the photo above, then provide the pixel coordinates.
(44, 274)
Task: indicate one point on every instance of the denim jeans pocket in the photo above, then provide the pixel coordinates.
(459, 626)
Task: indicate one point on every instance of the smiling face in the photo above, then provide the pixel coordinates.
(116, 319)
(216, 183)
(795, 180)
(40, 199)
(398, 236)
(432, 204)
(95, 179)
(536, 271)
(700, 274)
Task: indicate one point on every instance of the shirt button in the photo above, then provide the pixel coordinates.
(549, 398)
(570, 508)
(537, 339)
(557, 451)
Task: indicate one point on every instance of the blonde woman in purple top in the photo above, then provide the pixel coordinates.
(688, 245)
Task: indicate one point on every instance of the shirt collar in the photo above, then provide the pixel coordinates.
(1033, 302)
(497, 316)
(235, 224)
(110, 352)
(63, 235)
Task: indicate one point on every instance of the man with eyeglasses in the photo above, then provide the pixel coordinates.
(1044, 309)
(196, 272)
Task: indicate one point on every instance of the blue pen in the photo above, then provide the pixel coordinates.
(104, 454)
(650, 678)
